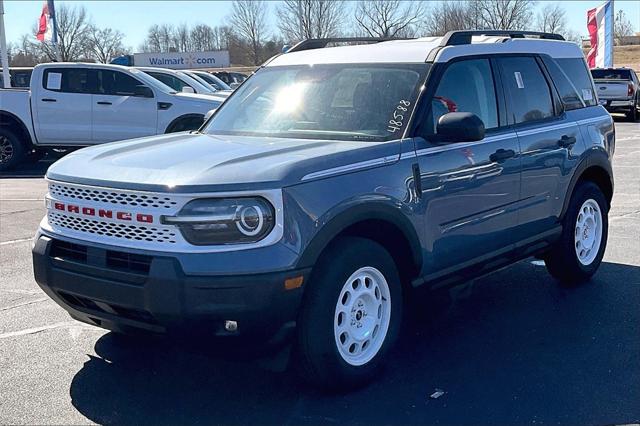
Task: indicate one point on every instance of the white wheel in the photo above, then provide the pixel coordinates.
(588, 232)
(362, 316)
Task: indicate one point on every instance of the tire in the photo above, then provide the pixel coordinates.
(349, 279)
(186, 124)
(578, 254)
(632, 115)
(11, 149)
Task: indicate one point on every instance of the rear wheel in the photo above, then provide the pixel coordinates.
(632, 115)
(578, 253)
(350, 315)
(11, 149)
(186, 124)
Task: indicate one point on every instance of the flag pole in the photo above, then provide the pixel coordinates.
(6, 78)
(54, 38)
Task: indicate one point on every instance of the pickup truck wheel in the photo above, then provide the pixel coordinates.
(11, 150)
(632, 115)
(350, 315)
(578, 253)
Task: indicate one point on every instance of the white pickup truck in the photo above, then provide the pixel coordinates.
(79, 104)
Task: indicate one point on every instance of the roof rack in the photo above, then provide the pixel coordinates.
(319, 43)
(455, 38)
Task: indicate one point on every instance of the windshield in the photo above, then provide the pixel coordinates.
(214, 81)
(370, 102)
(150, 81)
(611, 74)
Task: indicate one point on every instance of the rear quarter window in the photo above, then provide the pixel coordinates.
(571, 78)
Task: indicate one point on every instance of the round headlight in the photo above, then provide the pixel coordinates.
(213, 221)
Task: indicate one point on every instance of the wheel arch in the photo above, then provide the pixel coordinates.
(595, 168)
(11, 121)
(183, 117)
(380, 222)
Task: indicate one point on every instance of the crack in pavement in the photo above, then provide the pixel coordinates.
(20, 240)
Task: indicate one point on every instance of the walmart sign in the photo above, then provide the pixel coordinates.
(187, 60)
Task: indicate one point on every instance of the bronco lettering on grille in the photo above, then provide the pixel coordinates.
(90, 211)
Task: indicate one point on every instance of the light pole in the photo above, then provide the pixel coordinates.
(6, 79)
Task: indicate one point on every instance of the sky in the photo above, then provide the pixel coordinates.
(133, 18)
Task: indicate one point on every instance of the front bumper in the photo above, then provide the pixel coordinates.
(126, 291)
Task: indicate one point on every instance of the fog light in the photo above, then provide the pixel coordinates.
(231, 325)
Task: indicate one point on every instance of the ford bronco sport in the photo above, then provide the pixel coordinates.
(328, 186)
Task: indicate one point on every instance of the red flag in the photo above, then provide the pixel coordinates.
(45, 26)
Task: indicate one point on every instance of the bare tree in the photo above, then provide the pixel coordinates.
(104, 44)
(505, 14)
(552, 18)
(73, 34)
(182, 39)
(450, 16)
(249, 21)
(303, 19)
(622, 27)
(389, 18)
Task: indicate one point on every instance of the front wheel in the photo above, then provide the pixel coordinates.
(350, 315)
(578, 254)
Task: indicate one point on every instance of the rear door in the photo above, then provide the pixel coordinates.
(62, 106)
(117, 113)
(469, 190)
(550, 142)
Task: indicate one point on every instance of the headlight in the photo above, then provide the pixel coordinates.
(214, 221)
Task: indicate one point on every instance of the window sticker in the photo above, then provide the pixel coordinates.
(519, 79)
(54, 81)
(586, 94)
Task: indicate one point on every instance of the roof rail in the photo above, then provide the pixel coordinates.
(319, 43)
(455, 38)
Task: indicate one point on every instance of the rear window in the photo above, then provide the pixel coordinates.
(571, 79)
(611, 74)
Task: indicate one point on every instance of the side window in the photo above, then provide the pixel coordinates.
(116, 83)
(169, 80)
(466, 86)
(527, 87)
(66, 80)
(576, 70)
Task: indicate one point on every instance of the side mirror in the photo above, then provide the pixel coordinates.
(143, 92)
(209, 114)
(460, 127)
(188, 89)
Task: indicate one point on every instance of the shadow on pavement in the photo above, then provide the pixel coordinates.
(511, 348)
(29, 169)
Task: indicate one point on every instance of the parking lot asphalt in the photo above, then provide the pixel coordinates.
(510, 348)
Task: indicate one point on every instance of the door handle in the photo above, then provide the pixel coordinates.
(48, 100)
(104, 103)
(502, 155)
(566, 141)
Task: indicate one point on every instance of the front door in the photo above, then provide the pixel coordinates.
(469, 190)
(117, 113)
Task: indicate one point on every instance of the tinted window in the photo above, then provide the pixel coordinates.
(169, 80)
(116, 83)
(67, 80)
(572, 82)
(527, 87)
(611, 74)
(466, 86)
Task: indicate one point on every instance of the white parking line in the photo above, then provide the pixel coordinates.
(21, 240)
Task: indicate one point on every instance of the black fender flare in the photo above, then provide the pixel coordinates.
(592, 159)
(180, 118)
(29, 142)
(354, 213)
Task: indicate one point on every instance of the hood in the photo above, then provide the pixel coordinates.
(213, 99)
(195, 162)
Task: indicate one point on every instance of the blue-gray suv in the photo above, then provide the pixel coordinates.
(328, 186)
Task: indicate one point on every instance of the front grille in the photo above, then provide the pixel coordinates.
(110, 308)
(128, 262)
(69, 251)
(112, 229)
(124, 198)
